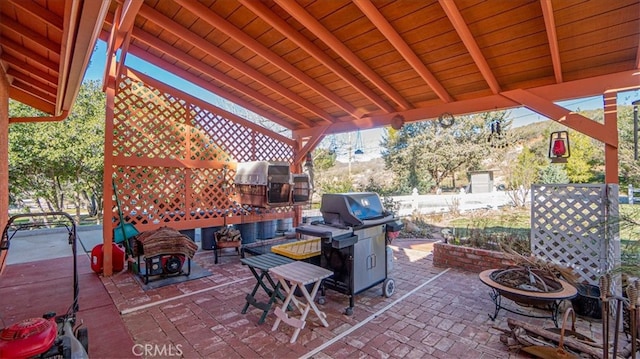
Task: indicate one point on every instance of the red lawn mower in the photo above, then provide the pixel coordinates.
(50, 336)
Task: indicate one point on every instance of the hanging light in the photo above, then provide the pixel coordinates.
(333, 146)
(559, 149)
(359, 144)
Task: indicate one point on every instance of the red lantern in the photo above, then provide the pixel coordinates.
(559, 147)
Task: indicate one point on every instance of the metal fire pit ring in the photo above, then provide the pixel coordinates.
(550, 300)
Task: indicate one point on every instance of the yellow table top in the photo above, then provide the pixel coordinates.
(299, 250)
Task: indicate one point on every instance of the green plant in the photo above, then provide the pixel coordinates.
(506, 230)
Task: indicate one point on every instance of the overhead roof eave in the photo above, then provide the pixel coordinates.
(80, 45)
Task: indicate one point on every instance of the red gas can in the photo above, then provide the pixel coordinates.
(97, 258)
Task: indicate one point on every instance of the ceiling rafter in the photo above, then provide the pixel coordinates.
(35, 92)
(26, 68)
(403, 48)
(470, 43)
(32, 81)
(459, 107)
(311, 143)
(168, 50)
(564, 116)
(178, 30)
(296, 37)
(21, 30)
(29, 54)
(238, 35)
(205, 85)
(130, 10)
(552, 36)
(107, 79)
(41, 13)
(27, 98)
(336, 45)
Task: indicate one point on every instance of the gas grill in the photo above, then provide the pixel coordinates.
(354, 236)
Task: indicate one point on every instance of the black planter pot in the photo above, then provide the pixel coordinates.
(587, 303)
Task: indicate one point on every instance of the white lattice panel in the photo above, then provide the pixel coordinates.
(576, 225)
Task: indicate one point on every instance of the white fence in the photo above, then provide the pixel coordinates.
(631, 193)
(437, 203)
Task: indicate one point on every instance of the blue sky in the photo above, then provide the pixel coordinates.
(370, 138)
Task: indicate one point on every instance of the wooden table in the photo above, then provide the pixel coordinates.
(263, 262)
(299, 274)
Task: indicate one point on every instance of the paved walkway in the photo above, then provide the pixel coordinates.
(434, 313)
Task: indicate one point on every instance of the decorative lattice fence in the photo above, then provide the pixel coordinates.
(174, 160)
(577, 225)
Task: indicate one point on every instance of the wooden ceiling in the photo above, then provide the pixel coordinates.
(45, 47)
(330, 66)
(338, 65)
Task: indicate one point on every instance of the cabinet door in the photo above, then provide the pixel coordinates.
(369, 261)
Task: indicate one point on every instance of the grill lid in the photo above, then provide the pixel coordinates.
(353, 209)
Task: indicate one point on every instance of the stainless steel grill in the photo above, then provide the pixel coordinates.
(354, 238)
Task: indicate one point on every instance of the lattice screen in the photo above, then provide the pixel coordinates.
(576, 225)
(175, 162)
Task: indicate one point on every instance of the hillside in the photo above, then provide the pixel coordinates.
(362, 171)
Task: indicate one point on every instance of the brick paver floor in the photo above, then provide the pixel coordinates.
(434, 313)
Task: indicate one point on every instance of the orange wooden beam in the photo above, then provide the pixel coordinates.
(550, 25)
(310, 144)
(111, 49)
(621, 81)
(40, 13)
(240, 36)
(130, 10)
(300, 14)
(4, 155)
(35, 58)
(205, 85)
(493, 103)
(27, 98)
(29, 69)
(469, 41)
(33, 91)
(220, 77)
(178, 30)
(32, 81)
(43, 42)
(321, 56)
(107, 189)
(58, 118)
(563, 116)
(407, 53)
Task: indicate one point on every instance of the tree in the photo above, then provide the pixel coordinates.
(522, 174)
(629, 166)
(585, 157)
(54, 161)
(323, 159)
(553, 173)
(427, 152)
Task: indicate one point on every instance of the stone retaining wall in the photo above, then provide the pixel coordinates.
(467, 258)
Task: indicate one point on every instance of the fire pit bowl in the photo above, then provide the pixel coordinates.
(538, 289)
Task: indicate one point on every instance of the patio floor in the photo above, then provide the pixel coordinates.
(434, 313)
